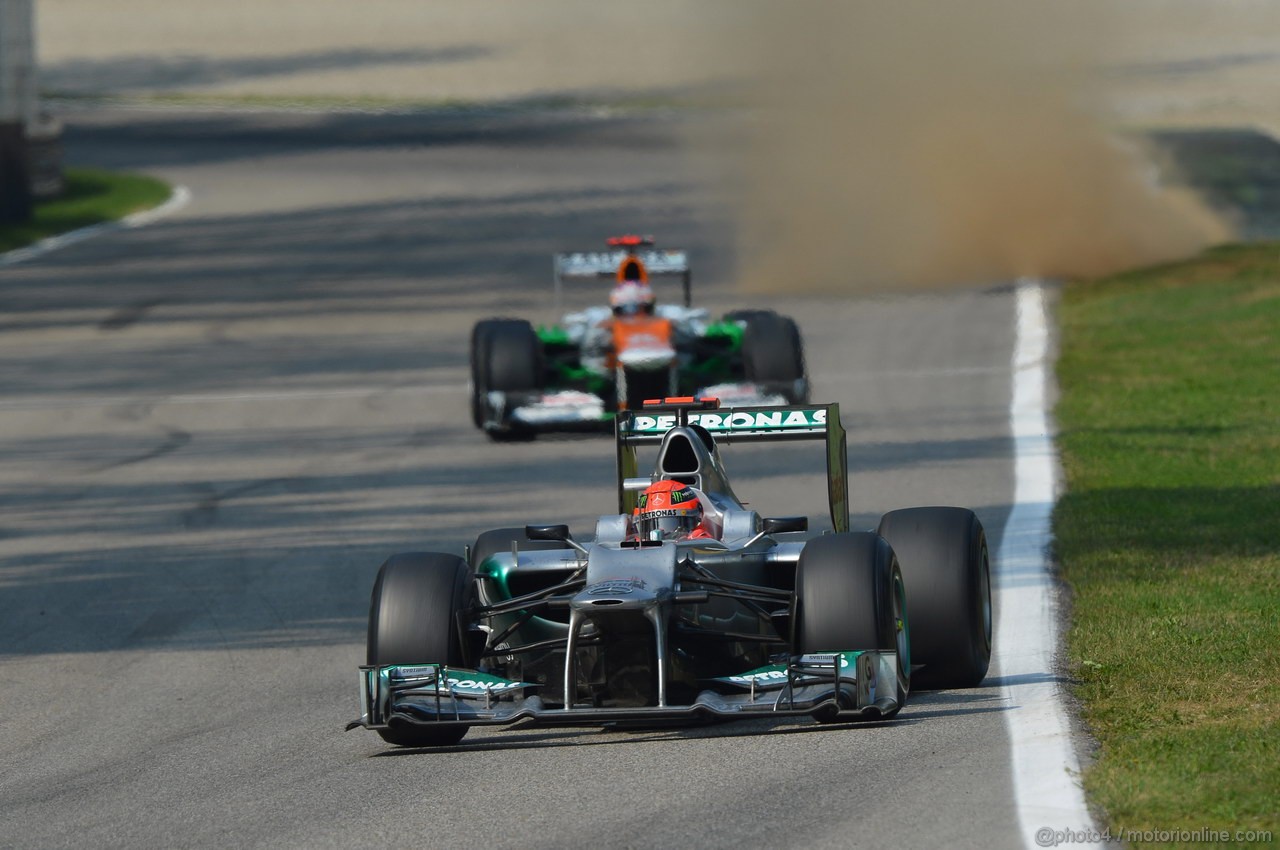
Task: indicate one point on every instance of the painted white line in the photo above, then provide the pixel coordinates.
(180, 197)
(1045, 768)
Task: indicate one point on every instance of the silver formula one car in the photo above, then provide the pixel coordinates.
(534, 627)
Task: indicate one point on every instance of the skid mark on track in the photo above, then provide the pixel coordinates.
(176, 438)
(205, 512)
(129, 315)
(160, 625)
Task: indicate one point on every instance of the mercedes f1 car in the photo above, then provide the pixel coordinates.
(579, 373)
(534, 627)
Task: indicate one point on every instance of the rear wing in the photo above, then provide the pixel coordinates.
(816, 422)
(593, 265)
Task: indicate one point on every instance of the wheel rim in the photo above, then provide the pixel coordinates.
(984, 590)
(902, 628)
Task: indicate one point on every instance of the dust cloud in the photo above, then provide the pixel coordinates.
(921, 144)
(888, 143)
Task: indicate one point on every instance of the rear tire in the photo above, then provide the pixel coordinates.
(413, 619)
(747, 315)
(850, 596)
(947, 571)
(773, 356)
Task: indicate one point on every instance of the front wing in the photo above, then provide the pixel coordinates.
(831, 686)
(551, 410)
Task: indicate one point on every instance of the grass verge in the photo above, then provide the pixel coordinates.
(91, 197)
(1169, 535)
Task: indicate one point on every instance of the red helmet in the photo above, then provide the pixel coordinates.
(667, 509)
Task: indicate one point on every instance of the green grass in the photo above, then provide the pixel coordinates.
(91, 197)
(1169, 535)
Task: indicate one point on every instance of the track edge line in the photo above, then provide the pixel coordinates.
(1046, 771)
(178, 198)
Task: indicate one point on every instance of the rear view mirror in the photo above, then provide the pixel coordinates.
(547, 532)
(557, 533)
(783, 524)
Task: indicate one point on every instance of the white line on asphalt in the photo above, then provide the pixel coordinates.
(1045, 768)
(180, 197)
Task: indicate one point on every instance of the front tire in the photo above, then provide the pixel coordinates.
(947, 570)
(480, 367)
(413, 619)
(507, 356)
(850, 596)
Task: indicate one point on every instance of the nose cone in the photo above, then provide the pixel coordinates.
(628, 594)
(626, 579)
(647, 356)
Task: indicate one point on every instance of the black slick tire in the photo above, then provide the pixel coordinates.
(746, 315)
(850, 596)
(947, 571)
(513, 357)
(773, 356)
(413, 619)
(506, 355)
(480, 367)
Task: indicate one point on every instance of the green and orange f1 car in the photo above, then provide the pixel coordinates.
(580, 372)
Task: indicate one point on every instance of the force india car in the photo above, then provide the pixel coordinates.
(534, 627)
(579, 373)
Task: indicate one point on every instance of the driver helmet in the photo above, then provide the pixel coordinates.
(667, 510)
(631, 298)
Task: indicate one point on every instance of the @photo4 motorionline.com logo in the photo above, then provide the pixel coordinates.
(1047, 836)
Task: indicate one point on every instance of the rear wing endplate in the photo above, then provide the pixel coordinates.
(745, 425)
(597, 264)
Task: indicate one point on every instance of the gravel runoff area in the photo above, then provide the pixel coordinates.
(1168, 62)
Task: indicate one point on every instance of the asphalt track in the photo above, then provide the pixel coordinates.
(215, 428)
